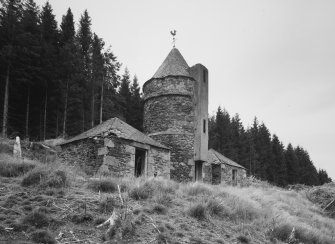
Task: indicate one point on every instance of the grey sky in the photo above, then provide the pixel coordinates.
(270, 59)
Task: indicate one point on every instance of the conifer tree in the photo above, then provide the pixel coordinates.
(278, 164)
(125, 95)
(136, 107)
(49, 33)
(85, 41)
(31, 55)
(10, 32)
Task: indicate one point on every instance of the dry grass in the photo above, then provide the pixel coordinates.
(165, 210)
(13, 167)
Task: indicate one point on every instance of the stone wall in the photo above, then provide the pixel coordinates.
(114, 156)
(169, 119)
(118, 157)
(226, 174)
(82, 153)
(158, 162)
(181, 155)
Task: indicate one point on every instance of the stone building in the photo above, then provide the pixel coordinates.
(175, 143)
(176, 114)
(116, 148)
(222, 169)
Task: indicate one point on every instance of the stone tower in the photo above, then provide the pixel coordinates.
(176, 114)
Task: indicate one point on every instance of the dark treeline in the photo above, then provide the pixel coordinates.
(262, 154)
(58, 80)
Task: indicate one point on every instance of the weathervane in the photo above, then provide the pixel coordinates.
(173, 33)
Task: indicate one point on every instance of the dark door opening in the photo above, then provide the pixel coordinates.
(198, 170)
(216, 174)
(233, 176)
(139, 162)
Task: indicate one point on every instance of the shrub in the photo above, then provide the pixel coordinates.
(195, 189)
(142, 191)
(107, 205)
(14, 168)
(57, 179)
(164, 199)
(99, 220)
(243, 239)
(36, 218)
(163, 238)
(45, 177)
(160, 209)
(214, 207)
(103, 185)
(42, 236)
(81, 218)
(198, 211)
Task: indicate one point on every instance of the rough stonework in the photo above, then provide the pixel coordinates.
(169, 119)
(113, 148)
(83, 153)
(221, 169)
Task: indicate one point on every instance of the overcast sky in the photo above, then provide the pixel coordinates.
(270, 59)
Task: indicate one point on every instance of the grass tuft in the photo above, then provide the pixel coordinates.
(198, 211)
(243, 239)
(45, 177)
(36, 218)
(42, 236)
(103, 185)
(14, 167)
(159, 209)
(214, 207)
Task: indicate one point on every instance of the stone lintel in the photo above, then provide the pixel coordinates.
(140, 145)
(102, 151)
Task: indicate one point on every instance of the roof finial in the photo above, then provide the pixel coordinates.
(173, 33)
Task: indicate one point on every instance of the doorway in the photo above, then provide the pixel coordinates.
(139, 162)
(234, 178)
(216, 174)
(198, 170)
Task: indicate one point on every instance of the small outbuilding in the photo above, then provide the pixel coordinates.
(118, 149)
(222, 169)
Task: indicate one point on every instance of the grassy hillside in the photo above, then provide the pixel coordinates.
(52, 203)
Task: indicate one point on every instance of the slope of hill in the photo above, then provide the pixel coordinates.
(52, 203)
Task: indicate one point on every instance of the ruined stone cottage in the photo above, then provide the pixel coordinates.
(175, 139)
(116, 148)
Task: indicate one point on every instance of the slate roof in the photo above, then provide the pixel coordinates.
(174, 64)
(215, 157)
(119, 128)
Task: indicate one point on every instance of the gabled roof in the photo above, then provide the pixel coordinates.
(118, 128)
(215, 157)
(174, 65)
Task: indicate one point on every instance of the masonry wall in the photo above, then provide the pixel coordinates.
(114, 156)
(226, 174)
(83, 154)
(169, 119)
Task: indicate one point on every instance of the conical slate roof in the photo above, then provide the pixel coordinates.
(174, 64)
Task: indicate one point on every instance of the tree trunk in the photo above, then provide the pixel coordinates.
(83, 113)
(45, 112)
(92, 105)
(101, 99)
(5, 105)
(57, 126)
(27, 114)
(65, 107)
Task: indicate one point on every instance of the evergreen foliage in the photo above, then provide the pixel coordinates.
(262, 154)
(56, 80)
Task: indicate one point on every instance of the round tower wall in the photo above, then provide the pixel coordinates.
(169, 119)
